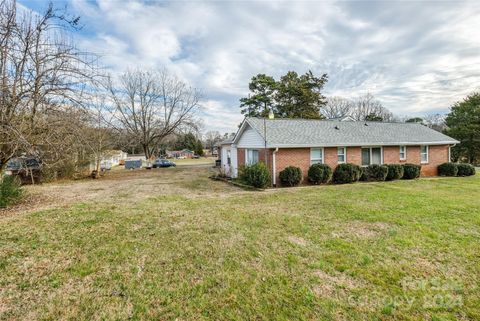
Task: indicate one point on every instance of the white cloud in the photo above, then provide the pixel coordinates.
(415, 57)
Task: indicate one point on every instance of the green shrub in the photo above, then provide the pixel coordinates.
(363, 175)
(291, 176)
(347, 173)
(10, 191)
(411, 171)
(448, 169)
(256, 175)
(465, 170)
(319, 174)
(395, 171)
(376, 172)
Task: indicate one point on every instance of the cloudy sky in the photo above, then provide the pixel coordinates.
(415, 57)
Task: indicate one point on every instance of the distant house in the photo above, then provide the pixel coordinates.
(132, 157)
(300, 142)
(110, 158)
(116, 157)
(184, 153)
(343, 118)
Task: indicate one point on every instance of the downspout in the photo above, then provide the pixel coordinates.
(450, 152)
(274, 179)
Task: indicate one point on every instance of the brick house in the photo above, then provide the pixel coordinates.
(184, 153)
(300, 142)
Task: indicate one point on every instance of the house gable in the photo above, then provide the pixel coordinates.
(250, 138)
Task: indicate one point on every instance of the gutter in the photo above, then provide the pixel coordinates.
(274, 179)
(355, 144)
(450, 151)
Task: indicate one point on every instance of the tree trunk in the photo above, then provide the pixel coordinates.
(146, 150)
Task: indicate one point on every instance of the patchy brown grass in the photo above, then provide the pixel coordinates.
(121, 186)
(361, 229)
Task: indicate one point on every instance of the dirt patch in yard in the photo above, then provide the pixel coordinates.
(337, 284)
(297, 240)
(361, 229)
(122, 186)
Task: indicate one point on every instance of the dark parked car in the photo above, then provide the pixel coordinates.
(163, 163)
(28, 169)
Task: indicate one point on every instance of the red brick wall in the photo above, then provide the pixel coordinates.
(262, 156)
(240, 156)
(300, 157)
(331, 157)
(391, 155)
(436, 156)
(354, 155)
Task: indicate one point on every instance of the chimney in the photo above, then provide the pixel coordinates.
(270, 114)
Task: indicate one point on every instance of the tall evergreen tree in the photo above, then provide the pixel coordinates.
(300, 96)
(463, 123)
(262, 88)
(293, 96)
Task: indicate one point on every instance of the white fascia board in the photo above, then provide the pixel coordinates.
(361, 144)
(239, 131)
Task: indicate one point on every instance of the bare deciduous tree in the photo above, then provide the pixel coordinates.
(96, 136)
(42, 76)
(337, 107)
(367, 107)
(150, 106)
(435, 121)
(211, 138)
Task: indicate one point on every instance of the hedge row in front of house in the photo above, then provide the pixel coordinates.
(258, 175)
(349, 173)
(454, 169)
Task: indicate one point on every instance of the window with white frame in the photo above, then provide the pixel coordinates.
(251, 156)
(342, 154)
(229, 157)
(316, 156)
(372, 156)
(424, 153)
(403, 152)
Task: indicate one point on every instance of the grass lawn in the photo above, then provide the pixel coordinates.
(174, 245)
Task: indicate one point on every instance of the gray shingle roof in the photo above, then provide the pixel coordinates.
(305, 132)
(225, 142)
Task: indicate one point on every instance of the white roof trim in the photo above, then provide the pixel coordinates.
(363, 144)
(242, 129)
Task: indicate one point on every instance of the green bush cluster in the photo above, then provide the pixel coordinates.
(256, 175)
(465, 170)
(411, 171)
(10, 191)
(395, 171)
(448, 169)
(453, 169)
(319, 174)
(375, 173)
(291, 176)
(347, 173)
